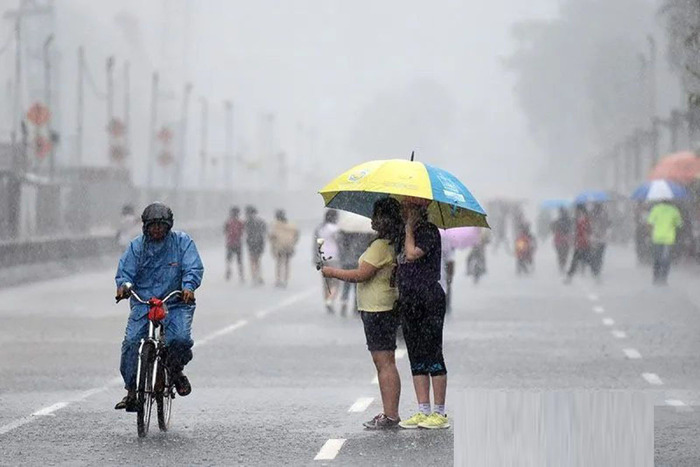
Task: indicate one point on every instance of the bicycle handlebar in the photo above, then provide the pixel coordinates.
(132, 293)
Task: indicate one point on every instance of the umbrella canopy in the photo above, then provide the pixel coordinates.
(592, 196)
(462, 237)
(657, 190)
(682, 167)
(451, 204)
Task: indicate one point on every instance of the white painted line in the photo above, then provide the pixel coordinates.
(221, 332)
(608, 321)
(50, 409)
(361, 404)
(375, 380)
(675, 403)
(118, 381)
(329, 450)
(598, 309)
(652, 378)
(593, 297)
(400, 353)
(619, 334)
(632, 354)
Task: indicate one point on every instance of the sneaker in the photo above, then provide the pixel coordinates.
(382, 422)
(128, 403)
(182, 384)
(413, 422)
(435, 421)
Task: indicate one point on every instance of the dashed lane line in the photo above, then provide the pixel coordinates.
(608, 322)
(619, 334)
(361, 404)
(330, 449)
(49, 410)
(593, 297)
(598, 309)
(632, 354)
(652, 378)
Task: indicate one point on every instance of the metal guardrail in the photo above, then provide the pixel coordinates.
(44, 250)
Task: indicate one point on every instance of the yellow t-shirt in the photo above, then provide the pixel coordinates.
(377, 294)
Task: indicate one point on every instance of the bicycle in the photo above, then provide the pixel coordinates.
(153, 379)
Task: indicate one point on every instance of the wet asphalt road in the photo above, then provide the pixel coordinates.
(274, 375)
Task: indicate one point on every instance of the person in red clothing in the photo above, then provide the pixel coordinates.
(582, 241)
(234, 234)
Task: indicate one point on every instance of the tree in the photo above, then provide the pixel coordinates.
(581, 77)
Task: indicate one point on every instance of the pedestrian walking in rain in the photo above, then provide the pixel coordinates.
(422, 305)
(600, 226)
(525, 245)
(255, 233)
(128, 226)
(283, 239)
(376, 297)
(582, 242)
(329, 232)
(561, 231)
(664, 221)
(233, 229)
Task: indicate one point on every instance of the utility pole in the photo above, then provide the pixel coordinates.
(228, 157)
(81, 106)
(47, 100)
(203, 143)
(652, 75)
(182, 156)
(110, 103)
(152, 130)
(127, 106)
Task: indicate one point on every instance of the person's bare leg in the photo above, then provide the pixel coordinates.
(389, 381)
(439, 389)
(241, 273)
(421, 383)
(286, 270)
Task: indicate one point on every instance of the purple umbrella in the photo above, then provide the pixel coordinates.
(461, 237)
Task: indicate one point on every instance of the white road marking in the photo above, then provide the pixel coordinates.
(375, 380)
(632, 354)
(675, 403)
(652, 378)
(118, 381)
(598, 309)
(361, 404)
(221, 332)
(50, 409)
(400, 353)
(619, 334)
(330, 449)
(608, 321)
(593, 297)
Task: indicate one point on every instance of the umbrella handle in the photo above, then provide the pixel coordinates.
(323, 260)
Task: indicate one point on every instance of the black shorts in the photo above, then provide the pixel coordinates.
(380, 329)
(233, 250)
(423, 318)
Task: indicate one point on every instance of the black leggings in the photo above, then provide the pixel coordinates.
(422, 319)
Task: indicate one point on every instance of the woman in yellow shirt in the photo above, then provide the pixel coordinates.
(376, 295)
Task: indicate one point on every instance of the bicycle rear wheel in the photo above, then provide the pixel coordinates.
(145, 390)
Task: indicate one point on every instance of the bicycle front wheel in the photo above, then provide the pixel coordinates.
(145, 390)
(164, 398)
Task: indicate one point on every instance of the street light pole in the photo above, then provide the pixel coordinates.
(47, 100)
(80, 107)
(152, 131)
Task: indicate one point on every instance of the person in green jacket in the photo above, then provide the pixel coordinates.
(664, 221)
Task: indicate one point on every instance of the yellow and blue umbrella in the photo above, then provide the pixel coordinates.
(451, 203)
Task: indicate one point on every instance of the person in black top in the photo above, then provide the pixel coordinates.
(422, 305)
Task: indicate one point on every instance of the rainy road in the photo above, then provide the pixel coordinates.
(275, 378)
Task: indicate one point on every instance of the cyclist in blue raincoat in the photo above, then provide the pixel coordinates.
(156, 263)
